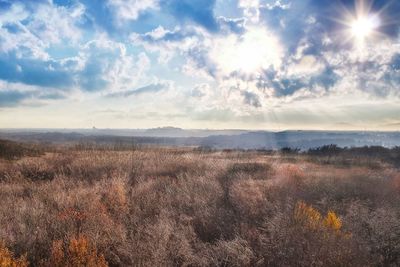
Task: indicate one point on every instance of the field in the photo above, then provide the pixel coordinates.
(71, 206)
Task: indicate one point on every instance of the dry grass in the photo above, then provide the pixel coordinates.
(182, 207)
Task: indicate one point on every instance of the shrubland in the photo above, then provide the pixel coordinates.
(190, 207)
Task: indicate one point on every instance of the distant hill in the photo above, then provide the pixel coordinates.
(166, 132)
(179, 132)
(153, 132)
(220, 139)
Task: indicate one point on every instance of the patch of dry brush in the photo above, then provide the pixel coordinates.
(171, 207)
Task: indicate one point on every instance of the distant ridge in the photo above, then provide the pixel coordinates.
(220, 139)
(166, 131)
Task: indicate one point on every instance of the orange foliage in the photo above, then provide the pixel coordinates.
(7, 258)
(57, 253)
(78, 253)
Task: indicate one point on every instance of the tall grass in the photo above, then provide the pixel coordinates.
(183, 207)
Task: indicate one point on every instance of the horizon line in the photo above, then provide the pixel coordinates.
(200, 129)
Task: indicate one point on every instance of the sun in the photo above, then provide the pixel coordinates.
(364, 27)
(361, 24)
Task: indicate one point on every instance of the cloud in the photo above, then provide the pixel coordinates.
(298, 65)
(151, 88)
(143, 15)
(238, 61)
(308, 64)
(305, 66)
(30, 32)
(26, 51)
(131, 9)
(11, 98)
(294, 20)
(107, 66)
(251, 99)
(15, 94)
(231, 25)
(98, 68)
(46, 73)
(395, 62)
(234, 52)
(201, 91)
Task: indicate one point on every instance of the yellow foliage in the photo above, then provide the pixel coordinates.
(332, 221)
(307, 215)
(310, 217)
(79, 253)
(7, 258)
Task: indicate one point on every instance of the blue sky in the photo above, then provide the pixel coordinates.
(256, 64)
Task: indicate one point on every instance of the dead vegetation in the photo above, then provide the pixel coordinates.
(183, 207)
(13, 150)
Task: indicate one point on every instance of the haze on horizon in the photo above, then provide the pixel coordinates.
(196, 64)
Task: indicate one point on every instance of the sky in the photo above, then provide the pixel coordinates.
(217, 64)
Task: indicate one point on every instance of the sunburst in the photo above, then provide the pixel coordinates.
(364, 27)
(362, 24)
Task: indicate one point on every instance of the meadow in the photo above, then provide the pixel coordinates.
(160, 206)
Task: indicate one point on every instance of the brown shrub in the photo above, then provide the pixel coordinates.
(36, 169)
(249, 198)
(236, 252)
(254, 170)
(377, 232)
(12, 150)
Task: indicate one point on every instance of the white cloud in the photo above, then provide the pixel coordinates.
(251, 9)
(241, 70)
(131, 9)
(278, 4)
(171, 43)
(216, 56)
(202, 91)
(307, 66)
(17, 12)
(367, 70)
(45, 26)
(119, 70)
(55, 24)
